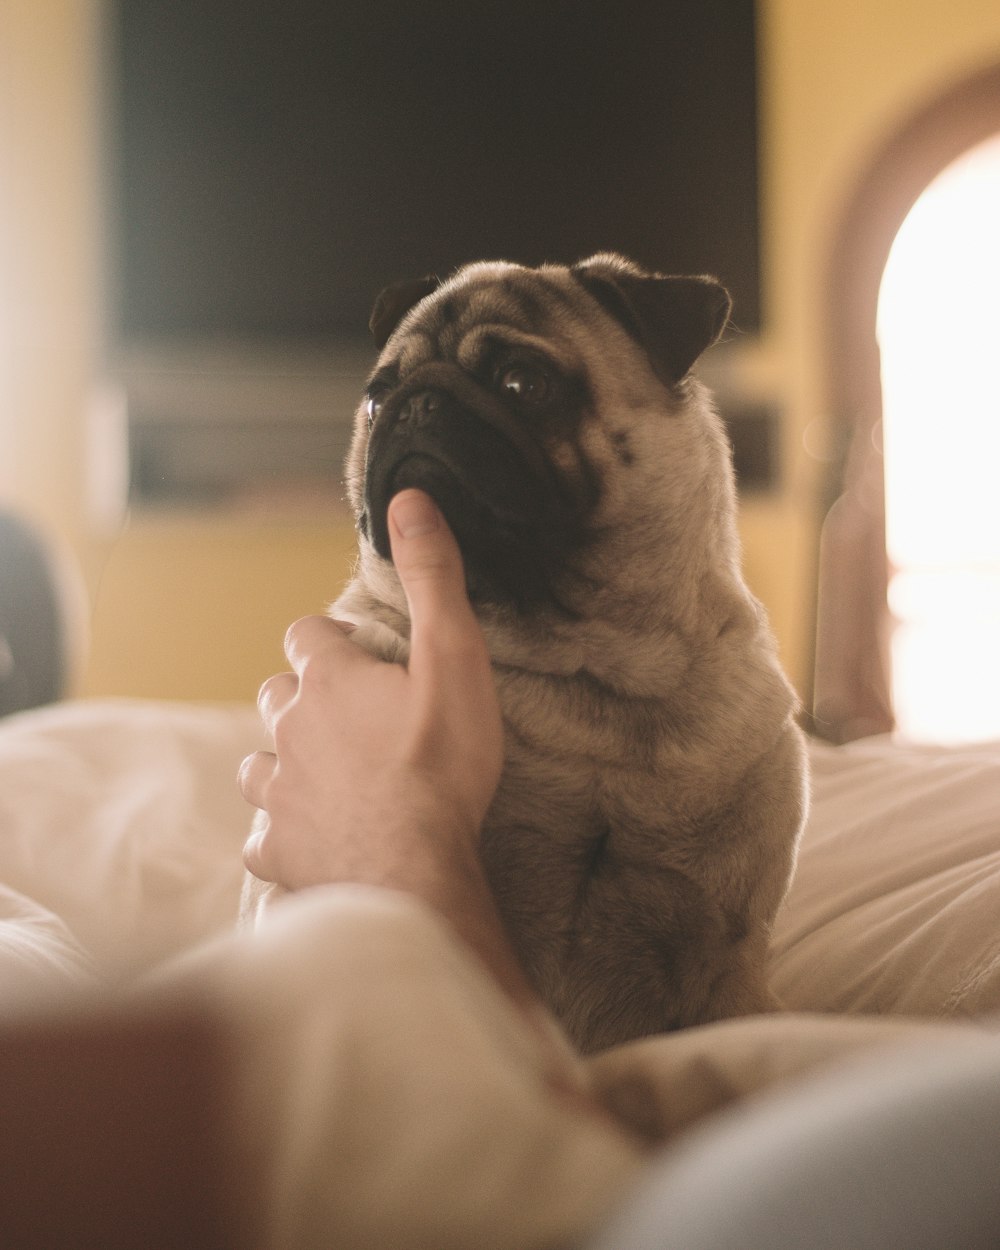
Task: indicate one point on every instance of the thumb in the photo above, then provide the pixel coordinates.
(429, 565)
(449, 659)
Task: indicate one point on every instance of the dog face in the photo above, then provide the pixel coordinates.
(517, 398)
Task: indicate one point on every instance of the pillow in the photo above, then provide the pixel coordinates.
(895, 907)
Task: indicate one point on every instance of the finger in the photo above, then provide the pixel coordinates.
(274, 696)
(317, 635)
(429, 564)
(255, 776)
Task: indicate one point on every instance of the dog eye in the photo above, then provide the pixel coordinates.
(527, 384)
(373, 408)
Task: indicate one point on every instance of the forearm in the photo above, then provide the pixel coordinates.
(461, 895)
(465, 900)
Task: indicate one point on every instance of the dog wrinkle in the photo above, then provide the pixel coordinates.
(594, 857)
(605, 722)
(621, 445)
(417, 349)
(448, 309)
(478, 341)
(597, 852)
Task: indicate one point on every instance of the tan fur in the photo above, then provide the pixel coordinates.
(644, 831)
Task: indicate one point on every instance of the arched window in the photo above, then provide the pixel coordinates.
(853, 692)
(939, 341)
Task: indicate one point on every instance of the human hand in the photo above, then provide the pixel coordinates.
(382, 774)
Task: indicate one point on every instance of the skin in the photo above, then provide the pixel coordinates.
(381, 774)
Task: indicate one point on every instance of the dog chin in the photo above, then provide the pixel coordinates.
(426, 473)
(499, 548)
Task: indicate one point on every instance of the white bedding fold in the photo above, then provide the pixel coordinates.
(124, 820)
(38, 954)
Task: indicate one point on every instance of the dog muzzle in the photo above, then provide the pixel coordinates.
(487, 474)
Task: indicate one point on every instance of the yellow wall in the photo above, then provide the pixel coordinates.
(837, 80)
(195, 607)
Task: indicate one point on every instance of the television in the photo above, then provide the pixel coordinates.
(272, 164)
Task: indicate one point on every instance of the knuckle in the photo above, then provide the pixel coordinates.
(254, 777)
(266, 692)
(292, 636)
(275, 697)
(314, 674)
(304, 633)
(433, 568)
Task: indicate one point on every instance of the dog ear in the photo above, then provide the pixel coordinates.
(394, 303)
(674, 319)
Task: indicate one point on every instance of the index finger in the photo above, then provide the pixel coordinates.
(312, 636)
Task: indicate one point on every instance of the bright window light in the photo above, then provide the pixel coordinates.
(939, 334)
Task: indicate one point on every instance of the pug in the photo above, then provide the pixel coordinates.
(645, 827)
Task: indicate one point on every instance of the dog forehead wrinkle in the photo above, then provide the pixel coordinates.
(498, 302)
(385, 374)
(510, 292)
(417, 349)
(442, 374)
(479, 341)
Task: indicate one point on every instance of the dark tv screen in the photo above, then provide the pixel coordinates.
(276, 162)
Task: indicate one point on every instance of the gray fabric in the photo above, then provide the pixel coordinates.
(902, 1153)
